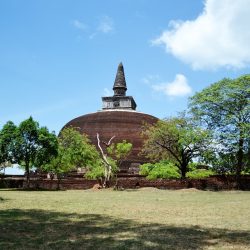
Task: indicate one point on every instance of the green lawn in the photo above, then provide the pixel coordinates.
(133, 219)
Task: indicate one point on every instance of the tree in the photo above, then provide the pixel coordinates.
(74, 150)
(112, 156)
(175, 139)
(119, 152)
(224, 108)
(28, 145)
(109, 166)
(7, 135)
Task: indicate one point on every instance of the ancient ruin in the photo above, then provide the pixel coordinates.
(118, 118)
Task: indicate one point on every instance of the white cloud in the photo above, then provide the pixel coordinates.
(150, 78)
(179, 87)
(218, 37)
(79, 25)
(106, 25)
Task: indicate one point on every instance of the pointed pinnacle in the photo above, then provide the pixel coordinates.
(120, 81)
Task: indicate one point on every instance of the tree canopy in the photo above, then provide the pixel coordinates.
(112, 157)
(27, 145)
(74, 150)
(119, 151)
(175, 139)
(224, 108)
(7, 135)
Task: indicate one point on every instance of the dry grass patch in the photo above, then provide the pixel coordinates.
(146, 218)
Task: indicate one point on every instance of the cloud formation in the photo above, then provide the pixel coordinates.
(79, 25)
(106, 24)
(178, 87)
(218, 37)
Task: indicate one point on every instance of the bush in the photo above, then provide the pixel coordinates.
(163, 170)
(146, 168)
(96, 174)
(199, 173)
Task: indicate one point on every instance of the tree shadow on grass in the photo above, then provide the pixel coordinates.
(38, 229)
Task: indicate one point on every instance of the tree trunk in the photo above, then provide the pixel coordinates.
(58, 183)
(107, 175)
(183, 171)
(239, 166)
(108, 167)
(184, 164)
(27, 170)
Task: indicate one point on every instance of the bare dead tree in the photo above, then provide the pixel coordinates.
(107, 165)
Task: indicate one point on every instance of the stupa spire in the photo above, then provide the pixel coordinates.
(120, 86)
(119, 101)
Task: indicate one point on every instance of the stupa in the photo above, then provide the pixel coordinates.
(118, 118)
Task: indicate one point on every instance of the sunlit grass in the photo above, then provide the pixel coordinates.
(133, 219)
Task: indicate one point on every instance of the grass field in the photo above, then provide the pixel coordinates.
(133, 219)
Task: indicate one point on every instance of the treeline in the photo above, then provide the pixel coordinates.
(214, 132)
(35, 148)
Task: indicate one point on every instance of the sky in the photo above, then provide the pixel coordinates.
(58, 58)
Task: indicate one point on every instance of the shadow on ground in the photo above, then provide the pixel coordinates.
(38, 229)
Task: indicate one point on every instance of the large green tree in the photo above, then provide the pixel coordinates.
(175, 139)
(7, 135)
(224, 108)
(27, 145)
(74, 150)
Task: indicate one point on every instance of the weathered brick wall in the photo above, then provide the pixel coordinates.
(11, 183)
(211, 183)
(64, 184)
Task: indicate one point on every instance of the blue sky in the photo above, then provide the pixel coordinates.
(57, 58)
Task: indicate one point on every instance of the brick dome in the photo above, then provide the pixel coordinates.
(123, 124)
(118, 118)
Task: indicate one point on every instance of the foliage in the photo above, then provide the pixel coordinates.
(146, 168)
(96, 171)
(27, 145)
(224, 108)
(7, 136)
(74, 150)
(167, 170)
(163, 169)
(175, 139)
(117, 153)
(200, 173)
(48, 147)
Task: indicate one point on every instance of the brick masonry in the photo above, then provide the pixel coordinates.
(212, 183)
(124, 125)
